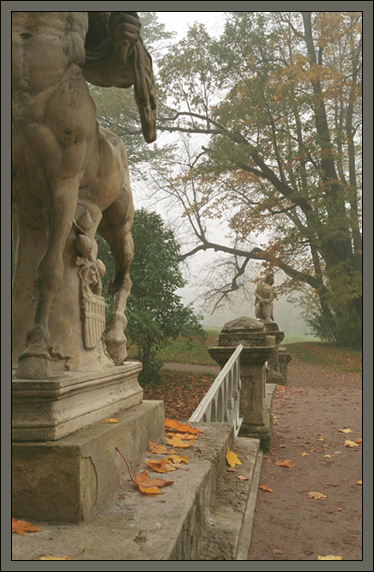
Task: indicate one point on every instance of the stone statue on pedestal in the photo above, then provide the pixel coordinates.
(264, 296)
(70, 179)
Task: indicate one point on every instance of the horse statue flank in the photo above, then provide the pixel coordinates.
(70, 178)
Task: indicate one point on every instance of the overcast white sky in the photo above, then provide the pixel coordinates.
(179, 21)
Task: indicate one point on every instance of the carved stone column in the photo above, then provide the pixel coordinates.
(255, 396)
(273, 373)
(284, 359)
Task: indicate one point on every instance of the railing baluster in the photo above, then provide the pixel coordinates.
(221, 403)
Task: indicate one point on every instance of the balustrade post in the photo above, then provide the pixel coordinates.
(254, 397)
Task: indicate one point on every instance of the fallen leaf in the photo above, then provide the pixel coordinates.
(320, 439)
(176, 459)
(242, 478)
(159, 449)
(178, 443)
(338, 452)
(345, 430)
(150, 490)
(276, 551)
(263, 488)
(182, 436)
(20, 527)
(161, 466)
(48, 557)
(283, 446)
(304, 455)
(231, 469)
(329, 557)
(232, 458)
(148, 485)
(358, 440)
(317, 496)
(110, 420)
(181, 427)
(286, 463)
(359, 483)
(329, 456)
(350, 444)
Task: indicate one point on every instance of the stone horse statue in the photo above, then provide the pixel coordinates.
(70, 179)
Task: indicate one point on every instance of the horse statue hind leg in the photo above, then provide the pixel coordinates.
(115, 228)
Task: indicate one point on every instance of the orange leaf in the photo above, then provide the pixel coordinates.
(182, 427)
(161, 466)
(111, 420)
(178, 443)
(358, 440)
(263, 488)
(359, 483)
(159, 449)
(144, 481)
(286, 463)
(20, 527)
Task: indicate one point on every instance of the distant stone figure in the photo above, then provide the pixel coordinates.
(264, 296)
(70, 179)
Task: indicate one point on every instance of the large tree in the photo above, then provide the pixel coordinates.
(278, 96)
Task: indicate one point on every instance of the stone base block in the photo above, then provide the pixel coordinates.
(69, 479)
(53, 408)
(264, 430)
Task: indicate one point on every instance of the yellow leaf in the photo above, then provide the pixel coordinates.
(304, 455)
(345, 430)
(329, 557)
(317, 496)
(182, 436)
(111, 420)
(350, 444)
(358, 440)
(178, 443)
(232, 458)
(48, 557)
(150, 490)
(263, 488)
(359, 483)
(176, 459)
(159, 449)
(320, 439)
(338, 452)
(327, 456)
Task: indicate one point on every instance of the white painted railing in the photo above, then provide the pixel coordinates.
(221, 403)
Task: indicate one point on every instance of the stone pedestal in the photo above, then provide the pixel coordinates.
(56, 407)
(275, 336)
(284, 358)
(68, 480)
(254, 408)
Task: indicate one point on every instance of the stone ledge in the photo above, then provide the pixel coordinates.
(54, 408)
(69, 479)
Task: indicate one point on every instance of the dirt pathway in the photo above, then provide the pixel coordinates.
(309, 416)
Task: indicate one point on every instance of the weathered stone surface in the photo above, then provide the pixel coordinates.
(69, 479)
(53, 408)
(284, 358)
(264, 296)
(243, 330)
(70, 179)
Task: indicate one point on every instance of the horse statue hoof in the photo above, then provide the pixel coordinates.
(116, 348)
(34, 367)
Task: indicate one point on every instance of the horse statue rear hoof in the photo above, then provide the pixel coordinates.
(34, 366)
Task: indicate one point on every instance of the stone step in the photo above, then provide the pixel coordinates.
(204, 503)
